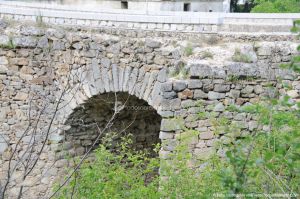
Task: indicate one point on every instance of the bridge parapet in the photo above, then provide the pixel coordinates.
(159, 20)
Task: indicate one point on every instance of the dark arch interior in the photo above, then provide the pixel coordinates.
(136, 118)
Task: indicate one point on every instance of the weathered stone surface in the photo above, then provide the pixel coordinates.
(24, 41)
(3, 60)
(4, 39)
(187, 93)
(26, 70)
(214, 95)
(206, 135)
(265, 49)
(194, 84)
(166, 135)
(222, 88)
(258, 89)
(162, 75)
(219, 107)
(165, 87)
(3, 143)
(199, 94)
(58, 45)
(19, 61)
(170, 104)
(3, 69)
(171, 124)
(43, 43)
(3, 24)
(21, 96)
(234, 94)
(31, 30)
(179, 85)
(204, 153)
(169, 95)
(201, 71)
(152, 43)
(187, 103)
(242, 70)
(247, 90)
(159, 60)
(293, 93)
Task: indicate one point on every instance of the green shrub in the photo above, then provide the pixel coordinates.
(124, 173)
(276, 6)
(260, 162)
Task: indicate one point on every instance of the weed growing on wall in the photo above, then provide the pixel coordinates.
(188, 50)
(295, 63)
(241, 57)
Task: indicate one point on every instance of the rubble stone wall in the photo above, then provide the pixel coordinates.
(51, 76)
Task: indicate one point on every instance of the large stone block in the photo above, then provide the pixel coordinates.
(199, 94)
(194, 83)
(204, 153)
(171, 124)
(152, 43)
(215, 95)
(179, 85)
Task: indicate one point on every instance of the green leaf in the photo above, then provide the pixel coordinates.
(284, 66)
(268, 156)
(296, 59)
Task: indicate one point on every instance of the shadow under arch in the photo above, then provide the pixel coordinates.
(136, 117)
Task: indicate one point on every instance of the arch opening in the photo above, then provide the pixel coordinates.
(136, 118)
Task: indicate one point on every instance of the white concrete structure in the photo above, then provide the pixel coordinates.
(149, 5)
(174, 5)
(202, 22)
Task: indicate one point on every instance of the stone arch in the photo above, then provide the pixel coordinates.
(136, 118)
(101, 79)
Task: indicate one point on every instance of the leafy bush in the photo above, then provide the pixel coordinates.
(124, 173)
(263, 161)
(276, 6)
(267, 161)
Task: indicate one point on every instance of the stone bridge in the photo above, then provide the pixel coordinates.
(63, 71)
